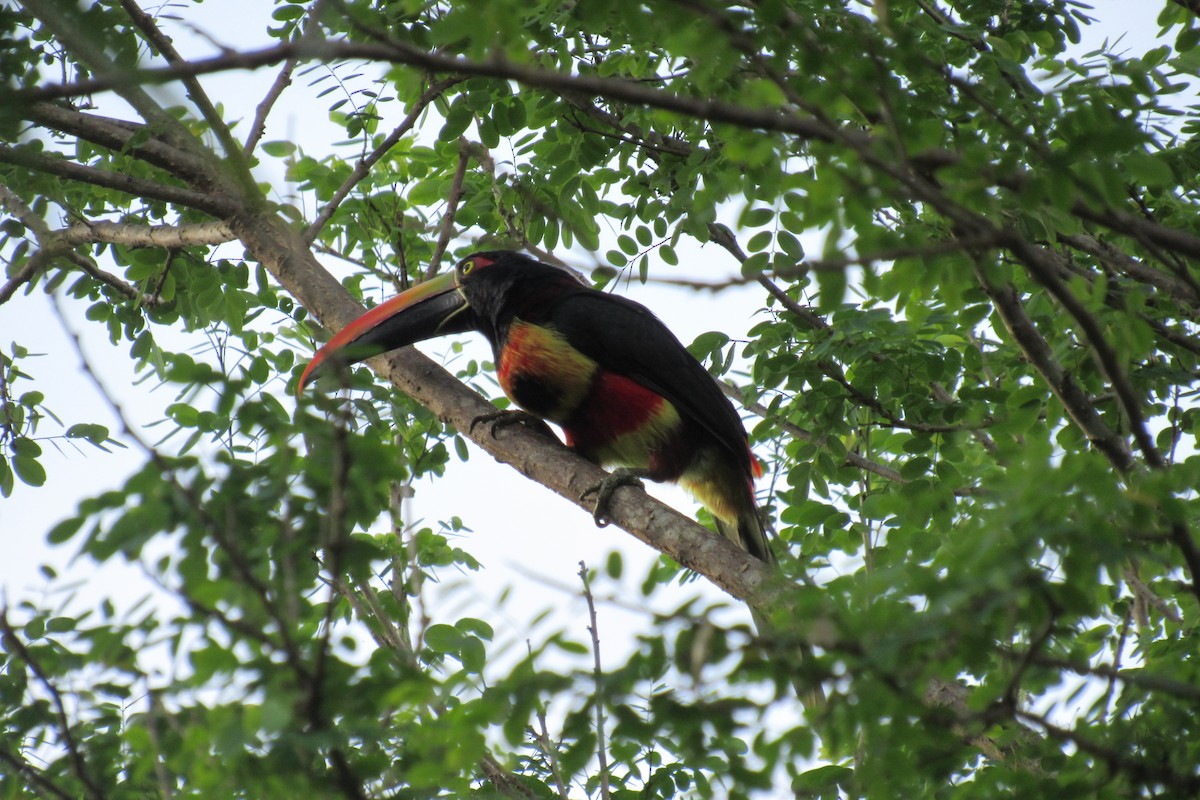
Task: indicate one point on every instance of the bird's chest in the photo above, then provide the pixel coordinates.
(541, 372)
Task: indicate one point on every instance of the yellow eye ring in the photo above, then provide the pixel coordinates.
(466, 267)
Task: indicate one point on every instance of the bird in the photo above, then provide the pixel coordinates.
(623, 389)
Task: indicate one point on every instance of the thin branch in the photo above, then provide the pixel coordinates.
(166, 48)
(88, 50)
(259, 127)
(334, 537)
(244, 571)
(1171, 285)
(32, 266)
(1038, 353)
(363, 167)
(108, 279)
(1041, 265)
(447, 226)
(852, 458)
(32, 774)
(78, 763)
(546, 745)
(598, 672)
(1116, 760)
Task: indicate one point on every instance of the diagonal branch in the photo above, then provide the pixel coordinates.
(364, 164)
(1040, 264)
(129, 184)
(61, 20)
(128, 138)
(447, 226)
(259, 127)
(1038, 353)
(166, 48)
(78, 763)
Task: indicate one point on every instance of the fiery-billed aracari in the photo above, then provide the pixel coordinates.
(606, 370)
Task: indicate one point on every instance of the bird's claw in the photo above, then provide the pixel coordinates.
(510, 416)
(605, 488)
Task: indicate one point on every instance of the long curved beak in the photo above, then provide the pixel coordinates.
(429, 309)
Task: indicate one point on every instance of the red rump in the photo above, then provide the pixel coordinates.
(614, 407)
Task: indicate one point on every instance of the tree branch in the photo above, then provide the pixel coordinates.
(811, 127)
(1040, 264)
(138, 187)
(166, 48)
(133, 139)
(170, 237)
(447, 227)
(86, 49)
(364, 164)
(1038, 353)
(78, 764)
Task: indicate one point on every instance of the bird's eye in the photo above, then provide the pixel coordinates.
(465, 268)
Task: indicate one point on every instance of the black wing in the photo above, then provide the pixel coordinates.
(626, 338)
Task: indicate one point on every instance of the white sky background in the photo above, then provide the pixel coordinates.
(527, 538)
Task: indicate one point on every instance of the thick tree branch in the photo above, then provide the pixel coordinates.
(202, 173)
(166, 236)
(138, 187)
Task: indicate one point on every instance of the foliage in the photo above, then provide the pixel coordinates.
(977, 389)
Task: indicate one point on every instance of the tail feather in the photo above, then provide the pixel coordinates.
(749, 534)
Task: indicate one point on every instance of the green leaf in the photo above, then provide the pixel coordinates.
(278, 149)
(442, 638)
(29, 470)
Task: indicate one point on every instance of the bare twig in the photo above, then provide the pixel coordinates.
(283, 80)
(363, 167)
(598, 671)
(546, 745)
(447, 226)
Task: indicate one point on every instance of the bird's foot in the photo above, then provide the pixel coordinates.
(605, 488)
(511, 416)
